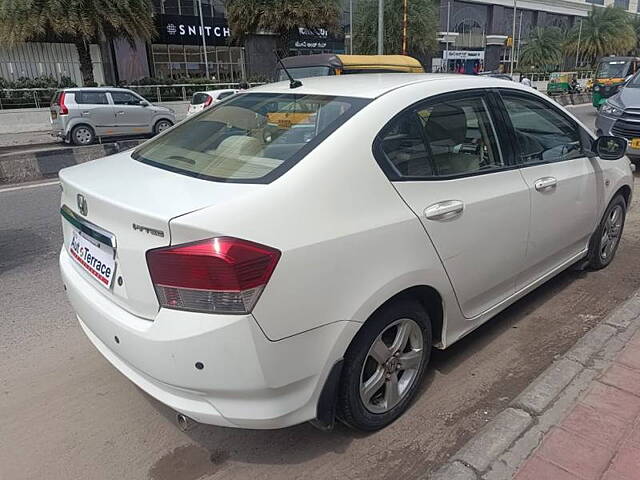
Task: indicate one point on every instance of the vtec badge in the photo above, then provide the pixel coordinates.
(150, 231)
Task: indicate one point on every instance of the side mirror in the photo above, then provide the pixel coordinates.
(144, 103)
(610, 148)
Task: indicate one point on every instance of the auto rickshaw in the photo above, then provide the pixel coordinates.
(324, 64)
(611, 74)
(560, 83)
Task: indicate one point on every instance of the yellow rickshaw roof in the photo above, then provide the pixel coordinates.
(378, 61)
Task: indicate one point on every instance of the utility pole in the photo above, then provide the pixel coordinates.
(578, 48)
(380, 27)
(447, 36)
(513, 37)
(351, 27)
(204, 40)
(519, 37)
(404, 29)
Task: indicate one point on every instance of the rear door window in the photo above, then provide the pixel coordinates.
(249, 138)
(125, 98)
(93, 98)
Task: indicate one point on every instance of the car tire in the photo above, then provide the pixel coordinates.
(375, 389)
(82, 135)
(161, 126)
(605, 240)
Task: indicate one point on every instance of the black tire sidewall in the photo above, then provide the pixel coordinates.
(595, 260)
(351, 410)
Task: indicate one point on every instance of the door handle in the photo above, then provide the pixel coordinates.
(444, 210)
(86, 113)
(121, 112)
(545, 183)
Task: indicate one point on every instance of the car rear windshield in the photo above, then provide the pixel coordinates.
(249, 138)
(199, 98)
(305, 72)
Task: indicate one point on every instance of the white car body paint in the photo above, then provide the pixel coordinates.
(350, 240)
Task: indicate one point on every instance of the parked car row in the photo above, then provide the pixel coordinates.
(298, 249)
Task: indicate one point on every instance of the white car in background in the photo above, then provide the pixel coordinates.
(253, 268)
(202, 100)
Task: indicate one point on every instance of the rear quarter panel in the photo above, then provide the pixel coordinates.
(348, 240)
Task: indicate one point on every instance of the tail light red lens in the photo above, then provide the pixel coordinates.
(208, 101)
(218, 275)
(63, 108)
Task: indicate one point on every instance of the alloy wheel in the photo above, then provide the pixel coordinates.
(611, 233)
(391, 366)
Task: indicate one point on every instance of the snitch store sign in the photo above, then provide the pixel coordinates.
(185, 29)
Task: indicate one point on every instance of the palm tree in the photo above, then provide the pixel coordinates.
(422, 25)
(543, 49)
(247, 17)
(80, 21)
(606, 31)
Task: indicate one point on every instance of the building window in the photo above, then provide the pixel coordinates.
(596, 2)
(226, 64)
(622, 4)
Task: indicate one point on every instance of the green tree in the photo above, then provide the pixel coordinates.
(422, 25)
(79, 21)
(247, 17)
(543, 49)
(606, 31)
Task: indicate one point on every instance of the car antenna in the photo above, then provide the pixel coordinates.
(292, 82)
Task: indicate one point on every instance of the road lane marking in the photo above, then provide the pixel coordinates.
(31, 185)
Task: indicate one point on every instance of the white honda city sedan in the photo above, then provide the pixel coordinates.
(294, 254)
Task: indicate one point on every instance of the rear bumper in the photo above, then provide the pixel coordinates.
(247, 381)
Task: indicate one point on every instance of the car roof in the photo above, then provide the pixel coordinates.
(215, 92)
(373, 85)
(94, 89)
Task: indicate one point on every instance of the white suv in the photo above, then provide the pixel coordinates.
(255, 268)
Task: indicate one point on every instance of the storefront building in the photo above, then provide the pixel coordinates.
(477, 35)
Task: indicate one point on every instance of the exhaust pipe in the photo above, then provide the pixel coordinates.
(185, 423)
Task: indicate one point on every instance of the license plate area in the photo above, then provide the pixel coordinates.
(97, 259)
(635, 143)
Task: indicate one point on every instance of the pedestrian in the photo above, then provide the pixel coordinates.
(525, 81)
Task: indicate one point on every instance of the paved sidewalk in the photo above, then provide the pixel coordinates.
(579, 420)
(600, 438)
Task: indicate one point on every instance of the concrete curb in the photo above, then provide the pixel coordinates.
(34, 165)
(497, 451)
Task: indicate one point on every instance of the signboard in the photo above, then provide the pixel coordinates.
(463, 55)
(186, 30)
(314, 39)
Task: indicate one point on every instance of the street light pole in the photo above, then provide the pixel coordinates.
(447, 36)
(204, 41)
(578, 48)
(404, 29)
(351, 27)
(519, 37)
(513, 37)
(380, 27)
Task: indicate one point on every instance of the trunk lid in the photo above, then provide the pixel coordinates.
(135, 203)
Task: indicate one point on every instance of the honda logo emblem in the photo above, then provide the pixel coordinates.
(82, 204)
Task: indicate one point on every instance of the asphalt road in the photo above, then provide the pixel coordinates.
(67, 414)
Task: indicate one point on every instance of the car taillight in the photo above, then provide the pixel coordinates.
(218, 275)
(208, 101)
(63, 108)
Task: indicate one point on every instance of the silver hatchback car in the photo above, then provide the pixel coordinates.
(80, 115)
